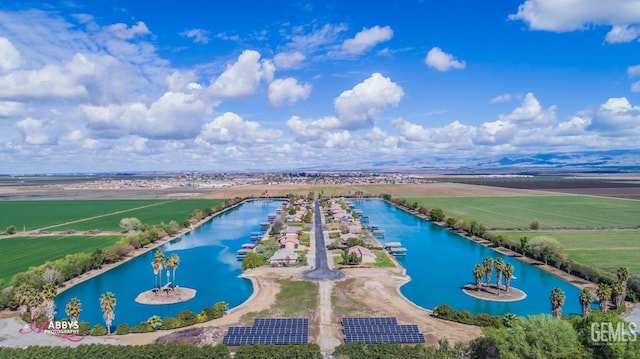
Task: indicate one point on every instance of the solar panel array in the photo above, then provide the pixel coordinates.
(380, 330)
(270, 331)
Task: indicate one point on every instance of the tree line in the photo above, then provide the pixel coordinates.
(544, 249)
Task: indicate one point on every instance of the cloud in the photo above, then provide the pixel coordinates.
(288, 60)
(622, 33)
(529, 112)
(308, 129)
(633, 71)
(635, 87)
(441, 61)
(571, 15)
(501, 98)
(366, 39)
(241, 78)
(124, 32)
(231, 128)
(198, 36)
(9, 55)
(356, 108)
(287, 90)
(617, 115)
(317, 39)
(12, 108)
(36, 132)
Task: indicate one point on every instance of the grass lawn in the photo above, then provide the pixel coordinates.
(605, 250)
(383, 260)
(46, 213)
(550, 211)
(297, 298)
(305, 239)
(20, 253)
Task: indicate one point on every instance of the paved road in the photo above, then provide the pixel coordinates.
(321, 270)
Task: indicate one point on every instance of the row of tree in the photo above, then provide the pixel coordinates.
(544, 249)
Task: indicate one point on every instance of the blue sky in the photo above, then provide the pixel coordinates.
(212, 86)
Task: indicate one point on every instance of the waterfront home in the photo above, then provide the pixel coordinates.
(284, 256)
(289, 240)
(365, 254)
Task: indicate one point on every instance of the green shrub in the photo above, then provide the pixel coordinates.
(170, 323)
(443, 311)
(463, 316)
(84, 328)
(187, 317)
(123, 328)
(143, 327)
(98, 330)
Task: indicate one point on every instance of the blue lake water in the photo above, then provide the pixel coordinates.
(440, 262)
(207, 264)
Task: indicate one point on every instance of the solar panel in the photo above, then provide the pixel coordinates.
(385, 338)
(270, 331)
(264, 339)
(389, 329)
(267, 330)
(370, 321)
(280, 322)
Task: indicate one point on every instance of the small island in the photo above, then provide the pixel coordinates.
(168, 293)
(494, 292)
(491, 293)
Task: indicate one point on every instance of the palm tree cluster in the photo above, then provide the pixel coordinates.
(613, 292)
(172, 262)
(36, 303)
(485, 269)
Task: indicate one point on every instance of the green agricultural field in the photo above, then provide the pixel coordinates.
(605, 250)
(164, 212)
(20, 253)
(550, 211)
(48, 213)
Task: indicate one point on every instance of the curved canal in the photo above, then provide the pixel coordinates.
(207, 264)
(440, 262)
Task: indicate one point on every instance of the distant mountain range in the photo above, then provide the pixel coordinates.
(612, 160)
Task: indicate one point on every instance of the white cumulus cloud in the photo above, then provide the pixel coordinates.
(287, 90)
(288, 60)
(356, 108)
(442, 61)
(231, 128)
(125, 32)
(241, 78)
(366, 39)
(571, 15)
(501, 98)
(9, 55)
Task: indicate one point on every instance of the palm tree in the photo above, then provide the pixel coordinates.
(623, 277)
(73, 309)
(499, 265)
(21, 295)
(172, 262)
(604, 294)
(157, 267)
(507, 273)
(617, 290)
(49, 293)
(478, 272)
(510, 320)
(586, 298)
(557, 300)
(158, 256)
(488, 269)
(107, 304)
(34, 301)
